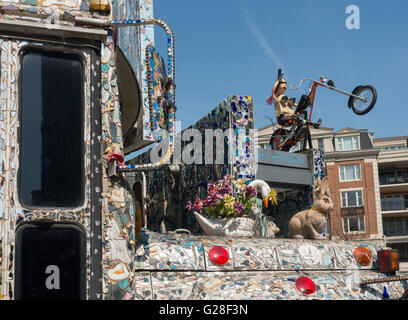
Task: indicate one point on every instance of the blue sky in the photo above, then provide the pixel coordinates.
(229, 47)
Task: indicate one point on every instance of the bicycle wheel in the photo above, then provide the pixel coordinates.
(369, 93)
(277, 140)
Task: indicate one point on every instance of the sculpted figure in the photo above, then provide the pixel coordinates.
(311, 223)
(283, 105)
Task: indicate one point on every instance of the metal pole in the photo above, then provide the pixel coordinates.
(293, 87)
(380, 280)
(341, 91)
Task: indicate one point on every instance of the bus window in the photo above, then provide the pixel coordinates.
(50, 261)
(51, 136)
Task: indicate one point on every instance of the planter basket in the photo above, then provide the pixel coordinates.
(238, 227)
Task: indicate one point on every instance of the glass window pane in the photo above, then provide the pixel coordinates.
(347, 143)
(406, 227)
(400, 175)
(397, 202)
(353, 224)
(362, 226)
(345, 225)
(358, 175)
(51, 172)
(400, 227)
(385, 227)
(320, 143)
(349, 172)
(404, 251)
(41, 245)
(342, 178)
(343, 199)
(340, 144)
(388, 203)
(391, 227)
(351, 198)
(383, 178)
(382, 203)
(360, 198)
(355, 143)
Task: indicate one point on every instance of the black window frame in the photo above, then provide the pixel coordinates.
(19, 292)
(58, 50)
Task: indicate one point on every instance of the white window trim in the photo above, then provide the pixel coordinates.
(352, 189)
(336, 141)
(345, 180)
(353, 232)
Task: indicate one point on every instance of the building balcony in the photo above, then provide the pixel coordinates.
(401, 238)
(394, 203)
(393, 180)
(394, 188)
(395, 213)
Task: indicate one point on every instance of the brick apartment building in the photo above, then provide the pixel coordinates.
(393, 176)
(368, 183)
(352, 170)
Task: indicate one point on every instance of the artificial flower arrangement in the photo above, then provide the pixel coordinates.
(230, 198)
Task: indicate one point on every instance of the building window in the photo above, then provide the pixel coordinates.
(353, 225)
(352, 198)
(51, 136)
(44, 244)
(402, 250)
(394, 147)
(394, 176)
(265, 146)
(350, 172)
(395, 227)
(320, 144)
(347, 143)
(394, 202)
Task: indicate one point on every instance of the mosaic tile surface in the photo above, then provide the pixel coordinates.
(330, 285)
(12, 211)
(117, 200)
(255, 254)
(210, 242)
(168, 191)
(157, 251)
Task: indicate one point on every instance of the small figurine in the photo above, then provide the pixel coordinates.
(283, 105)
(311, 223)
(284, 113)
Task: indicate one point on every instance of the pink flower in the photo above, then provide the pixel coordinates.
(239, 207)
(250, 191)
(198, 205)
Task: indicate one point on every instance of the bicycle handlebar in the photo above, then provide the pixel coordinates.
(293, 87)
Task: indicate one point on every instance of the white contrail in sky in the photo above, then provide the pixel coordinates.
(263, 42)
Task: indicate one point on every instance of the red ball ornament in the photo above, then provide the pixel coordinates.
(218, 255)
(363, 256)
(305, 285)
